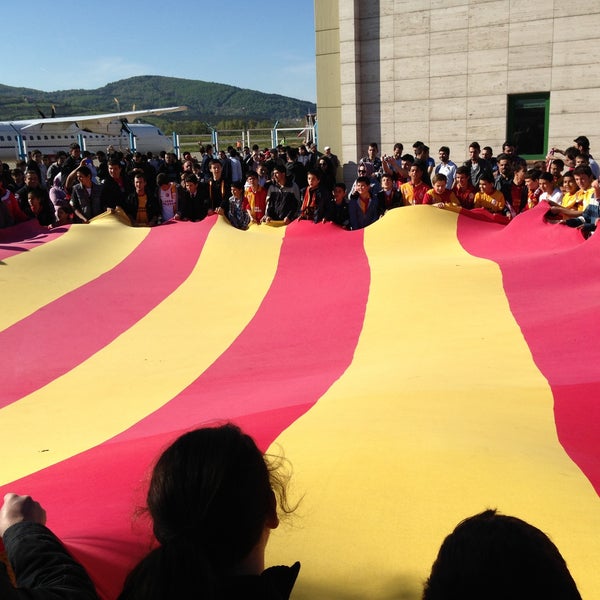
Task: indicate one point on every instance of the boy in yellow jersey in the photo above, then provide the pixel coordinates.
(439, 195)
(487, 197)
(570, 189)
(576, 203)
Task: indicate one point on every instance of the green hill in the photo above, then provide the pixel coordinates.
(223, 106)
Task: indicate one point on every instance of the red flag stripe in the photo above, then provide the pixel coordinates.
(62, 334)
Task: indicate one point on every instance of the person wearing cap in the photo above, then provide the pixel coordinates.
(332, 157)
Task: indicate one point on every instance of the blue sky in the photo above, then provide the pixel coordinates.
(262, 45)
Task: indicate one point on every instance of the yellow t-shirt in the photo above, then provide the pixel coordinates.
(494, 202)
(570, 201)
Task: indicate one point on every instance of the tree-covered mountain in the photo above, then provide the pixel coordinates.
(217, 104)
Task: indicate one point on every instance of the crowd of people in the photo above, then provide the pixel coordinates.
(214, 498)
(282, 184)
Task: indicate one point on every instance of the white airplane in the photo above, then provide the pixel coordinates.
(92, 132)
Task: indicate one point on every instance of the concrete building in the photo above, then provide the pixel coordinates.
(449, 72)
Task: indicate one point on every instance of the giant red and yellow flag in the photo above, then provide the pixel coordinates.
(413, 373)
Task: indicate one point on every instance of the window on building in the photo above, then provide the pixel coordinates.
(527, 124)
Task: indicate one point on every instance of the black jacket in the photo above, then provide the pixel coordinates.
(44, 570)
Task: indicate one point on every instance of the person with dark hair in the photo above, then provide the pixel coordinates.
(415, 190)
(504, 176)
(581, 210)
(115, 186)
(283, 198)
(218, 189)
(17, 180)
(392, 165)
(372, 162)
(487, 197)
(314, 198)
(363, 208)
(439, 195)
(87, 197)
(213, 502)
(422, 155)
(532, 183)
(255, 197)
(338, 206)
(172, 167)
(446, 166)
(40, 207)
(490, 556)
(487, 153)
(35, 164)
(294, 169)
(584, 179)
(139, 162)
(167, 196)
(42, 566)
(193, 205)
(583, 145)
(550, 192)
(32, 181)
(388, 197)
(556, 168)
(477, 164)
(142, 207)
(463, 188)
(235, 213)
(55, 168)
(72, 161)
(327, 170)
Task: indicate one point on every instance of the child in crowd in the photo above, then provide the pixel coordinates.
(583, 179)
(64, 216)
(550, 193)
(314, 198)
(167, 196)
(388, 197)
(415, 190)
(532, 182)
(518, 191)
(570, 189)
(440, 195)
(362, 207)
(463, 188)
(235, 213)
(338, 206)
(255, 198)
(487, 197)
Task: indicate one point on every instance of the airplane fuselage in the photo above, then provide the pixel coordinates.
(147, 138)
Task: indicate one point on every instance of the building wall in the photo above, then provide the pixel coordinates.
(440, 71)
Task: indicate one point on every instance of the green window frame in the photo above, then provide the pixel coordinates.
(528, 116)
